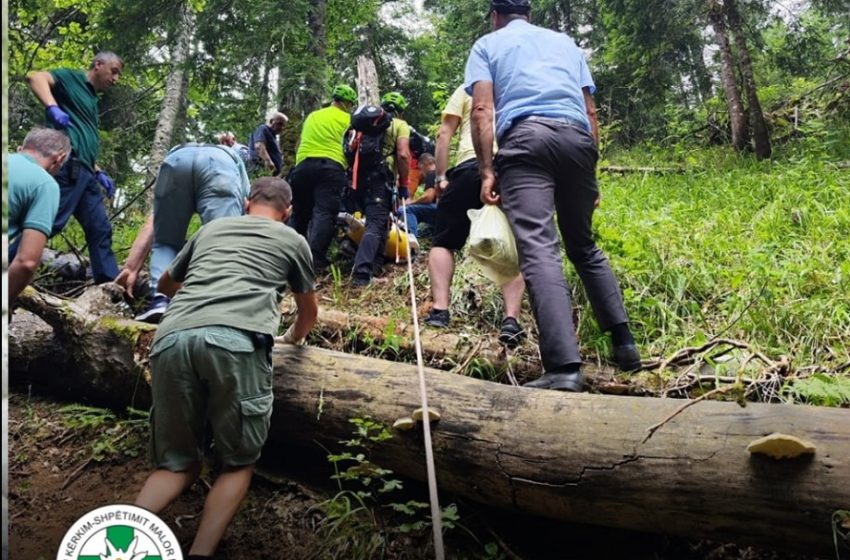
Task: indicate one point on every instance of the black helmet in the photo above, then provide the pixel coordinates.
(510, 6)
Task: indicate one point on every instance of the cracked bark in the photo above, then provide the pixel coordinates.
(367, 81)
(572, 457)
(580, 457)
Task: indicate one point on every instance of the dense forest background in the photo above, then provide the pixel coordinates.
(742, 105)
(725, 214)
(719, 71)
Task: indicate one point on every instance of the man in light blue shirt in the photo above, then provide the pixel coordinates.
(33, 201)
(207, 179)
(540, 86)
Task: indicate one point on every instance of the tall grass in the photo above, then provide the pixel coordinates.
(758, 251)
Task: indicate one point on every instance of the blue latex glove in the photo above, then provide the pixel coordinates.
(58, 117)
(403, 193)
(107, 183)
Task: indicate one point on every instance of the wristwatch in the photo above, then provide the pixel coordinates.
(440, 178)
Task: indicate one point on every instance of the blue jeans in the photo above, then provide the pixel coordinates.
(193, 179)
(80, 196)
(419, 213)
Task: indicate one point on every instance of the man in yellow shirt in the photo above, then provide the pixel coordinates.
(459, 189)
(375, 195)
(318, 178)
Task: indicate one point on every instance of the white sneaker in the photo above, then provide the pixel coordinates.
(413, 243)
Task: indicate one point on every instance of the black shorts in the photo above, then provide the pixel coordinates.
(463, 193)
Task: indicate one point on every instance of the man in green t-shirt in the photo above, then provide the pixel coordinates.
(318, 178)
(33, 197)
(211, 357)
(375, 195)
(71, 101)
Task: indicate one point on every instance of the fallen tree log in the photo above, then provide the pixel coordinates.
(445, 349)
(81, 348)
(622, 170)
(572, 457)
(583, 457)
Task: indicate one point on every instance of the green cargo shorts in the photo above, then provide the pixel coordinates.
(210, 374)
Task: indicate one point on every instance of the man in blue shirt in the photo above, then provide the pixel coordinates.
(263, 147)
(33, 201)
(541, 88)
(207, 179)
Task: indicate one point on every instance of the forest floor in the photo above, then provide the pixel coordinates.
(67, 460)
(730, 249)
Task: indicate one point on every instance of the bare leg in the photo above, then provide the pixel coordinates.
(163, 486)
(221, 505)
(441, 266)
(512, 292)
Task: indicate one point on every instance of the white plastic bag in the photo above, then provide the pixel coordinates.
(492, 244)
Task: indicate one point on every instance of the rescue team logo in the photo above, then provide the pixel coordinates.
(119, 532)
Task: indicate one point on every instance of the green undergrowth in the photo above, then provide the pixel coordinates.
(732, 247)
(728, 247)
(723, 246)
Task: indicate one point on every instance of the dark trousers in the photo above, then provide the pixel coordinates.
(374, 198)
(81, 197)
(544, 167)
(317, 187)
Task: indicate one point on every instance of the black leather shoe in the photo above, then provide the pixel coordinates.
(627, 357)
(358, 282)
(572, 382)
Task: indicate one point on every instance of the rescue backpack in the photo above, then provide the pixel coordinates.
(363, 144)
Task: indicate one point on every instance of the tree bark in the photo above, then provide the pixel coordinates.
(316, 78)
(699, 73)
(582, 457)
(761, 135)
(737, 118)
(571, 457)
(268, 64)
(174, 92)
(93, 353)
(367, 81)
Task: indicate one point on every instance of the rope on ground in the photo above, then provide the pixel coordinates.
(436, 514)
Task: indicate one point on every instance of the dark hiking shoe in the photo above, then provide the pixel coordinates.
(627, 357)
(438, 318)
(359, 282)
(511, 333)
(153, 314)
(572, 382)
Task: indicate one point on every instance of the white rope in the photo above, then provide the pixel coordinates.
(436, 513)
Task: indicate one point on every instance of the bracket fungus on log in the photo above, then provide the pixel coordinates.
(781, 446)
